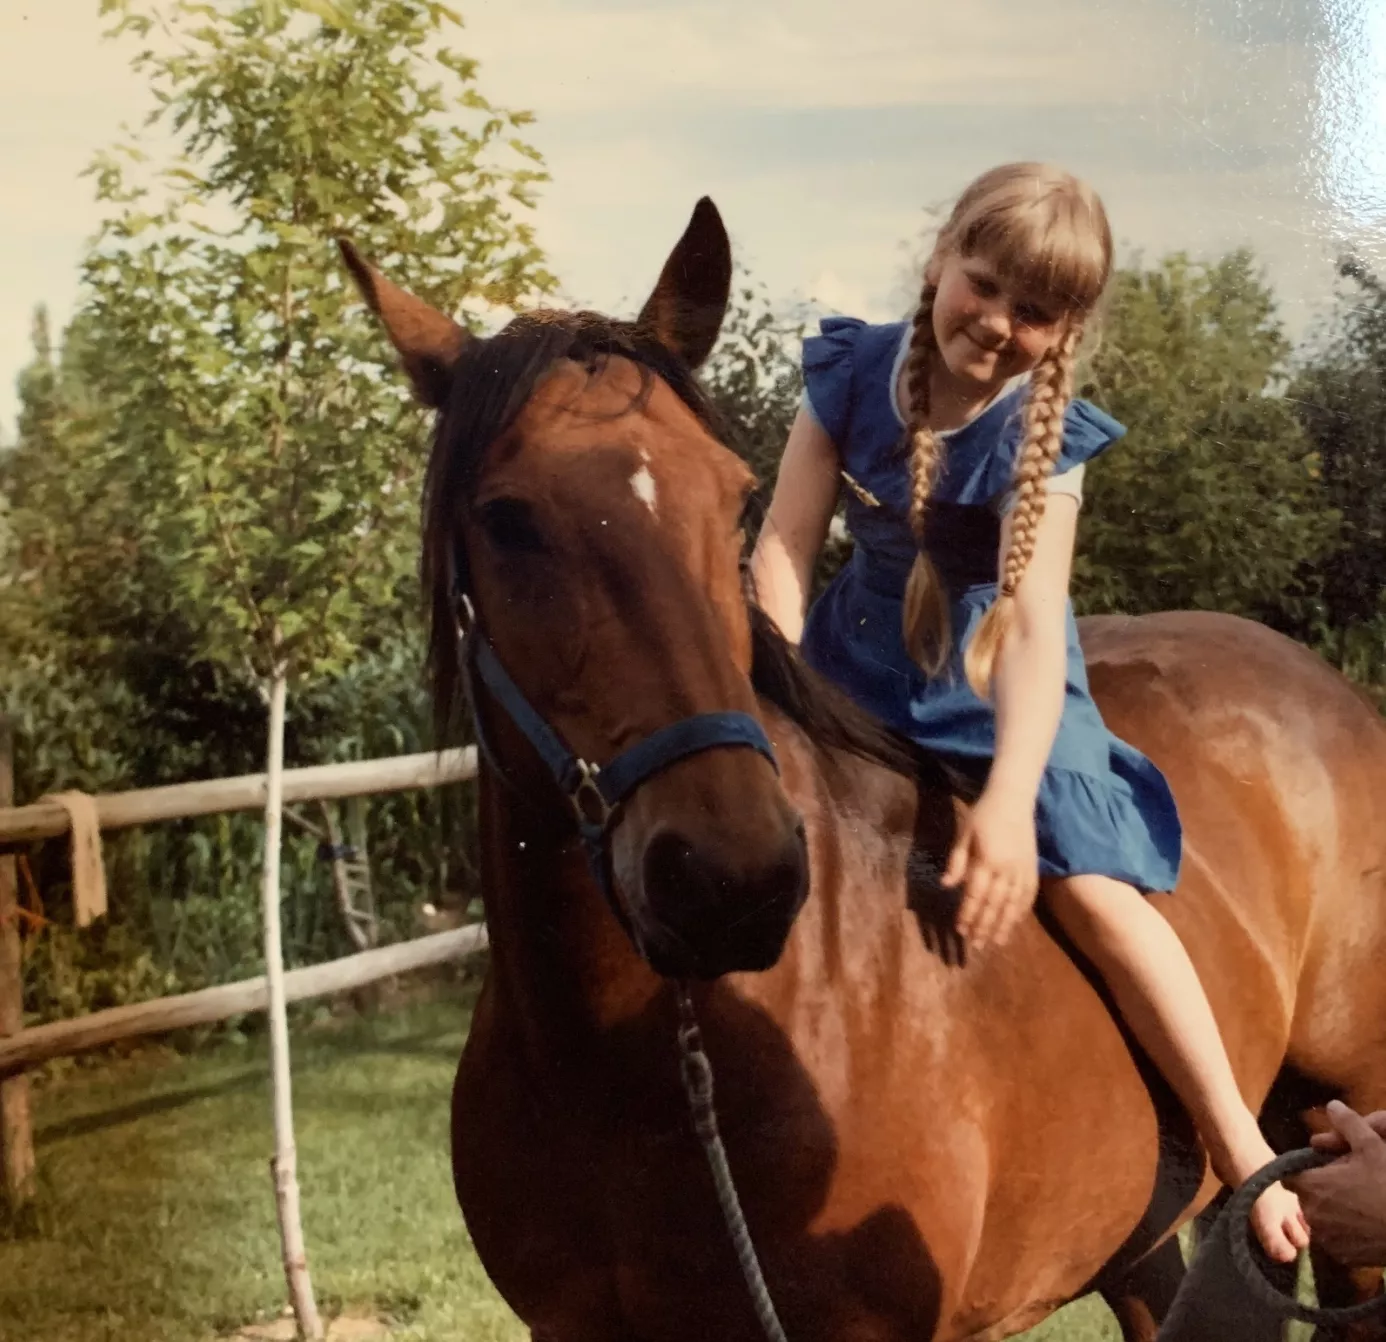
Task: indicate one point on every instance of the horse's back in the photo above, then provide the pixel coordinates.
(1212, 661)
(1277, 763)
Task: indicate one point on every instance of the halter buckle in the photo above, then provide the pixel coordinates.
(463, 615)
(591, 808)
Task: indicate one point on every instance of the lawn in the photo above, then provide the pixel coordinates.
(157, 1222)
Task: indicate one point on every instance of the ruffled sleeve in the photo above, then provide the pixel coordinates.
(828, 365)
(980, 461)
(1088, 432)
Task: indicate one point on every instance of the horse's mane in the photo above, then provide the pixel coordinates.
(492, 381)
(831, 719)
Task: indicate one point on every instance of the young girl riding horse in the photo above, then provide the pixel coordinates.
(963, 453)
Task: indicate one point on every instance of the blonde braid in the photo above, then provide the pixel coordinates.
(1051, 389)
(925, 621)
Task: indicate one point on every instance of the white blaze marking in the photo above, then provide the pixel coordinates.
(643, 483)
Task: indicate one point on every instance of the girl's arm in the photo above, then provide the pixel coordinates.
(1032, 665)
(996, 853)
(796, 525)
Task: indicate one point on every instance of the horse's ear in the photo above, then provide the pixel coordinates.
(428, 342)
(685, 310)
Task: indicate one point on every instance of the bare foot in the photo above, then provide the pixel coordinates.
(1276, 1217)
(1279, 1224)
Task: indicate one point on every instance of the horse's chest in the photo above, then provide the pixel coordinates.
(614, 1234)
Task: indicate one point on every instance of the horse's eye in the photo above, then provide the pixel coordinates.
(509, 524)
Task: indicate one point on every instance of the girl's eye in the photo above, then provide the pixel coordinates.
(1029, 315)
(983, 287)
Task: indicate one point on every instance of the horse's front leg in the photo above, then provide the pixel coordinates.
(1141, 1299)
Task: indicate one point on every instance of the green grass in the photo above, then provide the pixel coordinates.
(157, 1221)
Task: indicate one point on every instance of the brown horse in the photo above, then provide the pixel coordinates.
(927, 1145)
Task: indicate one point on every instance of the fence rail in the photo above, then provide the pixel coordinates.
(64, 1038)
(212, 796)
(22, 1049)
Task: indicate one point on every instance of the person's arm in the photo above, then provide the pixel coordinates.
(996, 853)
(1032, 665)
(796, 525)
(1345, 1202)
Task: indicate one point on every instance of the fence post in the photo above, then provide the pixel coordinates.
(16, 1127)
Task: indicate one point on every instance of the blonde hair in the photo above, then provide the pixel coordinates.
(1047, 233)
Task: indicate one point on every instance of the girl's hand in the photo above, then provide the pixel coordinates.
(996, 860)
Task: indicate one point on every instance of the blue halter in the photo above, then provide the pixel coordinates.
(595, 793)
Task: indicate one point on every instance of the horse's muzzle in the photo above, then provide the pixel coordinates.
(710, 910)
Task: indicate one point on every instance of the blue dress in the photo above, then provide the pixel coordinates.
(1103, 807)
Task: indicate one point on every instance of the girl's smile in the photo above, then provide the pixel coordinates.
(988, 330)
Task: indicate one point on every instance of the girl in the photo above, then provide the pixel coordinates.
(952, 621)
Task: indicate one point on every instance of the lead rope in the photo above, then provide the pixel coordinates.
(1232, 1226)
(697, 1084)
(1231, 1237)
(1238, 1214)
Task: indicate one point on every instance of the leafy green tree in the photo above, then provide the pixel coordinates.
(1214, 499)
(1340, 396)
(251, 448)
(277, 465)
(85, 605)
(754, 377)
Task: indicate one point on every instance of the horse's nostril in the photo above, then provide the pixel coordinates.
(689, 883)
(675, 874)
(715, 908)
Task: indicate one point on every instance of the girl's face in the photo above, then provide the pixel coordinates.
(987, 330)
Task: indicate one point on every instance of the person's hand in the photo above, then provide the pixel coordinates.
(996, 862)
(1336, 1141)
(1345, 1202)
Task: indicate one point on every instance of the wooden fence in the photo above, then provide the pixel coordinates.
(64, 1038)
(21, 1049)
(324, 782)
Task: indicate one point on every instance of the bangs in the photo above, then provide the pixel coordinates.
(1051, 247)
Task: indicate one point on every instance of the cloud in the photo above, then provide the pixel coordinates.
(829, 291)
(567, 56)
(63, 95)
(821, 129)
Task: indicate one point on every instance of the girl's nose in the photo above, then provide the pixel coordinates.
(997, 318)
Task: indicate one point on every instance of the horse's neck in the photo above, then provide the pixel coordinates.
(866, 826)
(564, 971)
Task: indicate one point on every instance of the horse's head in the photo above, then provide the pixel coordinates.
(579, 499)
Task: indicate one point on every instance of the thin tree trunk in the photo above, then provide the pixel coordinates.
(284, 1165)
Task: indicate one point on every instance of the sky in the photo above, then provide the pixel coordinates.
(823, 130)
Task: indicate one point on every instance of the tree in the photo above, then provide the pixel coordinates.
(754, 377)
(755, 380)
(1340, 397)
(1214, 499)
(273, 463)
(248, 395)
